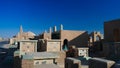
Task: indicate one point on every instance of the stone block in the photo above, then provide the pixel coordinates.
(61, 60)
(72, 63)
(100, 63)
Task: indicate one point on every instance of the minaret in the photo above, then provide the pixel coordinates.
(55, 29)
(21, 30)
(61, 27)
(20, 33)
(50, 30)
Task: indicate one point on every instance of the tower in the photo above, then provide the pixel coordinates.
(55, 29)
(61, 27)
(21, 30)
(50, 30)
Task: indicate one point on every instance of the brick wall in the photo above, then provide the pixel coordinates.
(77, 38)
(61, 60)
(109, 28)
(27, 64)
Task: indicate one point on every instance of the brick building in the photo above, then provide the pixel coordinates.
(112, 31)
(69, 37)
(112, 38)
(22, 36)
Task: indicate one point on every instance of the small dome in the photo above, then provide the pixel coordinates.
(30, 33)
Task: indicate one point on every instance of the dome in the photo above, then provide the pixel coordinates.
(30, 33)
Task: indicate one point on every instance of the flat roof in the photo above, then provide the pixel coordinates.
(50, 40)
(40, 55)
(27, 40)
(71, 31)
(58, 40)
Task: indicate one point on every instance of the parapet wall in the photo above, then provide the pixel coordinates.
(72, 63)
(100, 63)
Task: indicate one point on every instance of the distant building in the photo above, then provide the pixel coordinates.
(1, 39)
(95, 41)
(22, 36)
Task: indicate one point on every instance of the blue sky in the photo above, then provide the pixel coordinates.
(39, 15)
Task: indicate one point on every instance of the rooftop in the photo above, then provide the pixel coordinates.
(27, 40)
(116, 20)
(40, 55)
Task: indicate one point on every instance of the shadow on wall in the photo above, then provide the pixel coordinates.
(80, 41)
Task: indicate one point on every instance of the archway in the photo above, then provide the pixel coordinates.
(98, 38)
(99, 43)
(65, 45)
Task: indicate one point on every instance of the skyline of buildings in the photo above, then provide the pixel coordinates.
(60, 47)
(59, 34)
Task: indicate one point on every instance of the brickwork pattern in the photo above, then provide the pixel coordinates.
(77, 38)
(27, 64)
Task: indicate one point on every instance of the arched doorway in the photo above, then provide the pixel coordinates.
(65, 45)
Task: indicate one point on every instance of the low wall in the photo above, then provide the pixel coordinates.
(72, 63)
(100, 63)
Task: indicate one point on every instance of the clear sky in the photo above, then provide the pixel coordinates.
(38, 15)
